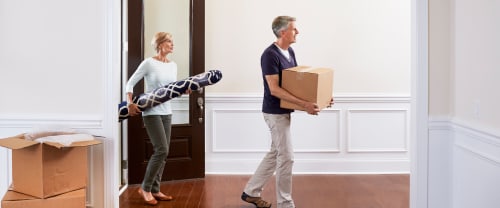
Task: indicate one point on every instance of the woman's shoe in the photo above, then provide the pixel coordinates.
(150, 202)
(162, 197)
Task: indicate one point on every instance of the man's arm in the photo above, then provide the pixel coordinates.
(277, 91)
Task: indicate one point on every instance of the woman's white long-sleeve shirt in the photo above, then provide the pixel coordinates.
(156, 74)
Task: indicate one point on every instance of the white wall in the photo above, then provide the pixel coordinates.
(464, 127)
(440, 79)
(51, 59)
(475, 69)
(59, 61)
(440, 106)
(475, 61)
(366, 42)
(74, 55)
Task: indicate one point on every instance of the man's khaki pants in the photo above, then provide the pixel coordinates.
(279, 159)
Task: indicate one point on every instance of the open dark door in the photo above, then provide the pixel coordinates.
(187, 149)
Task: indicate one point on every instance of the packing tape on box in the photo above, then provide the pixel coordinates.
(301, 72)
(308, 69)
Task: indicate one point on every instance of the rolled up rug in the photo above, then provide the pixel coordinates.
(170, 91)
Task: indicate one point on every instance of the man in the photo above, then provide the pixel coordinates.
(277, 57)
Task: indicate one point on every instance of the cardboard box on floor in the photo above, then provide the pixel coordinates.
(73, 199)
(48, 169)
(313, 84)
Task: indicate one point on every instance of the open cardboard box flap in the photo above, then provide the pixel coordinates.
(73, 199)
(18, 142)
(11, 195)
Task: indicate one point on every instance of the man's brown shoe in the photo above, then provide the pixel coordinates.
(257, 201)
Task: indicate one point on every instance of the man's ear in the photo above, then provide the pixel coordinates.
(282, 32)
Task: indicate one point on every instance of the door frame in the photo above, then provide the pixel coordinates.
(419, 138)
(194, 131)
(419, 119)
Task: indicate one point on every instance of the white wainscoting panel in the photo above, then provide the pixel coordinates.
(464, 165)
(440, 152)
(475, 167)
(316, 133)
(239, 130)
(237, 137)
(377, 130)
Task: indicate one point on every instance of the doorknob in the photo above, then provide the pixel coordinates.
(200, 105)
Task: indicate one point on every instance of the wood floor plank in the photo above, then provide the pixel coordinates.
(309, 191)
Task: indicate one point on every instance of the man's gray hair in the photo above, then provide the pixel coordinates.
(280, 23)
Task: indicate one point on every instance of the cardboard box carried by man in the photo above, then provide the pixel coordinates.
(313, 84)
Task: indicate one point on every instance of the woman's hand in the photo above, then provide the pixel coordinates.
(188, 91)
(133, 109)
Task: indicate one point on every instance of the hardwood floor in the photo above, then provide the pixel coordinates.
(309, 191)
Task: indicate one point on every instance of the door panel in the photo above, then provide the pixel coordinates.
(186, 156)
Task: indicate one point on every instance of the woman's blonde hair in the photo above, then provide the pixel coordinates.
(159, 38)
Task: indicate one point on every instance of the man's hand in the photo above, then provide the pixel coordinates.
(311, 108)
(331, 103)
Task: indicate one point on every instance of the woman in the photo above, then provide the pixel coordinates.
(157, 71)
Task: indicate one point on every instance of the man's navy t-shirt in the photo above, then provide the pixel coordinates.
(273, 62)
